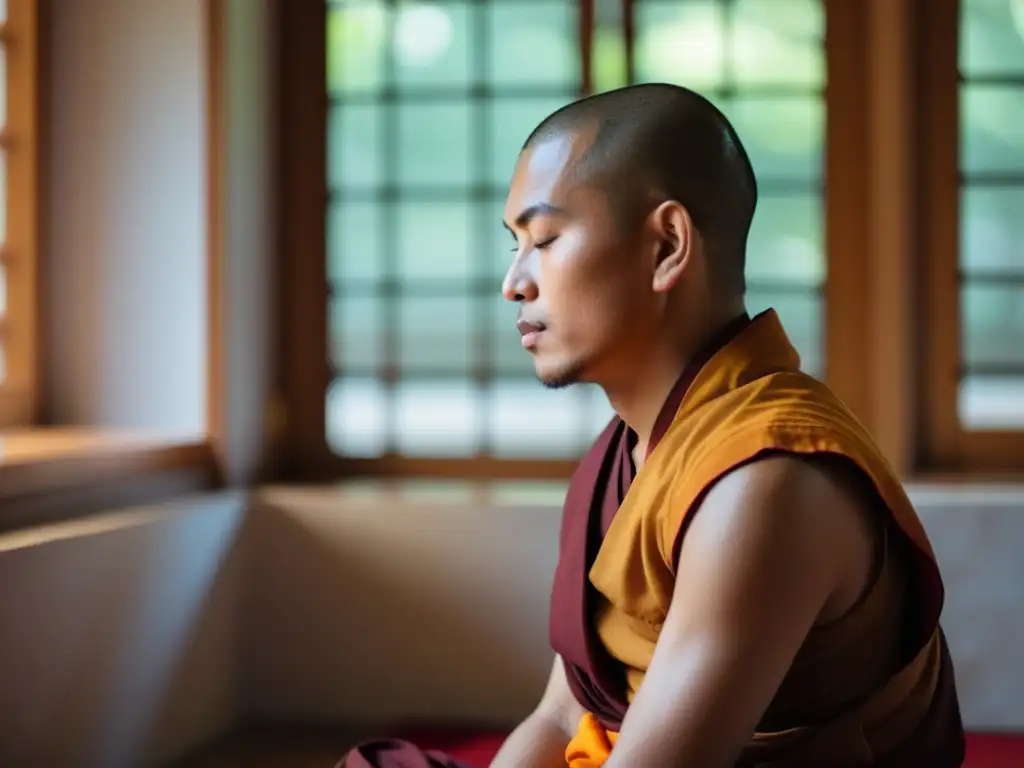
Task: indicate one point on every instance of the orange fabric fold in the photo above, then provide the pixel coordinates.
(591, 745)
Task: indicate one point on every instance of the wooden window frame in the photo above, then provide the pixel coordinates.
(887, 159)
(19, 392)
(947, 445)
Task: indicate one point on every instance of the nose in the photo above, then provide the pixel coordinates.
(518, 285)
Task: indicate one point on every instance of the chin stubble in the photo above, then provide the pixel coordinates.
(561, 380)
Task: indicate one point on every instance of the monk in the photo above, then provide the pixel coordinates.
(742, 580)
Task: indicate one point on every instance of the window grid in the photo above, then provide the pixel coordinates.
(384, 293)
(991, 361)
(389, 290)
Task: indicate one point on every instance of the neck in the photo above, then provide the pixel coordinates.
(639, 395)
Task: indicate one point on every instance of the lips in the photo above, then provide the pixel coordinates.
(530, 333)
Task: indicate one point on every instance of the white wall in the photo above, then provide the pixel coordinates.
(118, 635)
(379, 608)
(375, 607)
(125, 214)
(978, 537)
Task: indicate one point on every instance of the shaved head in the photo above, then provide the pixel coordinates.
(655, 142)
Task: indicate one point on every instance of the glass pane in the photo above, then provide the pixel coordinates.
(504, 341)
(991, 120)
(609, 60)
(437, 418)
(778, 41)
(435, 334)
(681, 42)
(435, 241)
(357, 417)
(992, 402)
(771, 42)
(992, 230)
(3, 10)
(609, 55)
(356, 44)
(993, 325)
(434, 143)
(533, 43)
(524, 419)
(991, 37)
(801, 315)
(354, 146)
(501, 244)
(432, 43)
(356, 334)
(511, 122)
(785, 242)
(354, 242)
(784, 136)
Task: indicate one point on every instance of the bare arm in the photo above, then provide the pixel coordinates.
(770, 551)
(541, 739)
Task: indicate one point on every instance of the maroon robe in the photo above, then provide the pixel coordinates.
(395, 753)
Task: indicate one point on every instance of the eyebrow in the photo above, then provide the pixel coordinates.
(533, 211)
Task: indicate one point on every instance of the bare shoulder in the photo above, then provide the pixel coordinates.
(814, 514)
(775, 547)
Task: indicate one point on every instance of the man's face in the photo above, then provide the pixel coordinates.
(579, 282)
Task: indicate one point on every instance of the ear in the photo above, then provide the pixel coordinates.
(674, 241)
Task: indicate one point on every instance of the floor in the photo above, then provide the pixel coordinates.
(321, 748)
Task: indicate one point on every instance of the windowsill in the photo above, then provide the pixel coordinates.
(74, 471)
(48, 474)
(461, 493)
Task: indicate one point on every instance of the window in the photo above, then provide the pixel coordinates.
(903, 287)
(429, 105)
(974, 234)
(18, 136)
(991, 202)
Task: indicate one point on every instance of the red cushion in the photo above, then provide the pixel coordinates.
(991, 750)
(478, 748)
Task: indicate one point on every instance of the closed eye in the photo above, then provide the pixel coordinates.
(539, 246)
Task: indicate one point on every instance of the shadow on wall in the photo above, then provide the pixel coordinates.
(117, 635)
